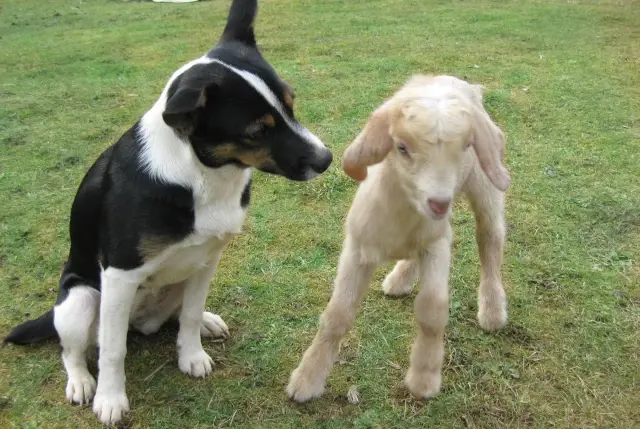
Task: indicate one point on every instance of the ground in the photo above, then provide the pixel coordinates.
(563, 83)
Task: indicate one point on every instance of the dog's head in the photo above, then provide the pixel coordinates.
(233, 107)
(423, 131)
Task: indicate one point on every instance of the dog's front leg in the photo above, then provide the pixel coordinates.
(308, 380)
(431, 309)
(192, 359)
(118, 289)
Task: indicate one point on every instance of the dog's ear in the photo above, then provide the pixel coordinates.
(371, 146)
(488, 142)
(180, 110)
(188, 93)
(242, 15)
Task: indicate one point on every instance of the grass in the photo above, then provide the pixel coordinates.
(563, 82)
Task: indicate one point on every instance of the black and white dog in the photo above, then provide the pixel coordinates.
(153, 214)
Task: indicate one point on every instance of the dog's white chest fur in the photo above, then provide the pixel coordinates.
(182, 263)
(218, 211)
(218, 218)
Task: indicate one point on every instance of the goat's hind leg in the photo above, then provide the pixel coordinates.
(400, 280)
(487, 203)
(76, 321)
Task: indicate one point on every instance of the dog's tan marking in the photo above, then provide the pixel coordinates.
(253, 157)
(288, 99)
(152, 245)
(268, 120)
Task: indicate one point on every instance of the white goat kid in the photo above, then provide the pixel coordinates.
(416, 145)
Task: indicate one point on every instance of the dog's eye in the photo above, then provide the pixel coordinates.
(403, 149)
(257, 131)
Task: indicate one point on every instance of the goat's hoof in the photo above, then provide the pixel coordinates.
(302, 386)
(424, 385)
(492, 317)
(396, 288)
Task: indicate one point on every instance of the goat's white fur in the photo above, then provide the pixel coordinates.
(390, 220)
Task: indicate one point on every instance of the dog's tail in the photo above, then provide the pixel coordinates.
(33, 331)
(239, 27)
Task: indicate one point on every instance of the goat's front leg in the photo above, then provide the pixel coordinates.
(192, 359)
(118, 289)
(432, 312)
(309, 379)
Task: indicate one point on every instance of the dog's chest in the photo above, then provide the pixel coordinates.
(218, 217)
(217, 206)
(183, 261)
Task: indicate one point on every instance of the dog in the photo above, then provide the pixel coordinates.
(412, 158)
(153, 214)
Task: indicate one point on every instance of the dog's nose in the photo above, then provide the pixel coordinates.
(439, 206)
(323, 162)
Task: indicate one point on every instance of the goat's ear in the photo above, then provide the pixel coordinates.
(371, 146)
(488, 142)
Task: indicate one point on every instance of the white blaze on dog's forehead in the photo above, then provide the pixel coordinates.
(264, 90)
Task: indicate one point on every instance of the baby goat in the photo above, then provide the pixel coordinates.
(416, 145)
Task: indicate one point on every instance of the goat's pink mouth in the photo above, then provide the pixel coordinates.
(439, 207)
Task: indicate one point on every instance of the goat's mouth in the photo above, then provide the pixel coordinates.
(435, 210)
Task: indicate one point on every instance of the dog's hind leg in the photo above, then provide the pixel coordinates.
(213, 326)
(76, 321)
(151, 310)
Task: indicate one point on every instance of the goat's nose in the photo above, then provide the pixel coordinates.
(439, 206)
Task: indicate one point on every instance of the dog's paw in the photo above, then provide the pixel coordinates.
(424, 385)
(303, 386)
(80, 389)
(198, 364)
(213, 326)
(110, 408)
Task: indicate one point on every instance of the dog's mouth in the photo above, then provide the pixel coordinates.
(304, 170)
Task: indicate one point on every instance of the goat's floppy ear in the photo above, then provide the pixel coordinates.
(371, 146)
(488, 142)
(242, 15)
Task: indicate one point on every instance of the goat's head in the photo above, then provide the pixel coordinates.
(423, 132)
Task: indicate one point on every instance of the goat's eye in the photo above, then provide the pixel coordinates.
(403, 149)
(466, 146)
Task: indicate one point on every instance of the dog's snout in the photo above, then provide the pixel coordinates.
(323, 161)
(439, 206)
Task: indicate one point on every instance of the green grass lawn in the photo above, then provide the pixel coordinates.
(563, 82)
